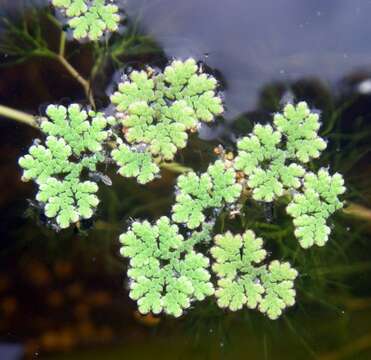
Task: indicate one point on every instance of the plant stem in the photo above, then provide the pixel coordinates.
(62, 44)
(175, 167)
(76, 75)
(19, 116)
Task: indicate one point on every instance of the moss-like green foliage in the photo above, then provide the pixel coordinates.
(165, 273)
(89, 18)
(300, 128)
(82, 130)
(74, 143)
(135, 162)
(243, 281)
(312, 208)
(270, 156)
(195, 194)
(158, 109)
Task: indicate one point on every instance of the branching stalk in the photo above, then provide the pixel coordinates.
(19, 116)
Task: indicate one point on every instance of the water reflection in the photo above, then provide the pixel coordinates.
(255, 42)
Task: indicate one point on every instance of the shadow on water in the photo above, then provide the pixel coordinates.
(64, 295)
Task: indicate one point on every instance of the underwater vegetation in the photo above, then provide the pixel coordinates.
(153, 112)
(209, 246)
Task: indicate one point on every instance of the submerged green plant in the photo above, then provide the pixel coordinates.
(89, 18)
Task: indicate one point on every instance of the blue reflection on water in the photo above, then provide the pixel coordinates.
(254, 42)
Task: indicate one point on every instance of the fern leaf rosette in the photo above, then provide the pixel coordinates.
(73, 144)
(272, 157)
(312, 207)
(164, 274)
(159, 109)
(211, 190)
(243, 281)
(89, 19)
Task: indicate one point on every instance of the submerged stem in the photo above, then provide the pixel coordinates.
(19, 116)
(175, 167)
(76, 75)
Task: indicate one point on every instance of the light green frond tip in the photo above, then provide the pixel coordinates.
(311, 208)
(158, 109)
(68, 200)
(73, 145)
(300, 128)
(135, 162)
(164, 274)
(89, 19)
(270, 157)
(243, 281)
(41, 162)
(82, 130)
(195, 194)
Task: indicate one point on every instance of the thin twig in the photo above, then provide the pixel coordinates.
(19, 116)
(76, 75)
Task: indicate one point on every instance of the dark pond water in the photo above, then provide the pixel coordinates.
(64, 295)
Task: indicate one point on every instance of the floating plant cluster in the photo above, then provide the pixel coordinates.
(180, 259)
(89, 19)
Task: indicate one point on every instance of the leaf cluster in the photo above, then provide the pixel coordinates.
(89, 19)
(272, 157)
(311, 208)
(243, 281)
(73, 146)
(158, 109)
(165, 274)
(211, 190)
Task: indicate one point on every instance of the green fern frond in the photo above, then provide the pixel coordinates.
(135, 162)
(158, 109)
(270, 157)
(89, 18)
(164, 274)
(311, 208)
(82, 130)
(300, 128)
(243, 281)
(213, 189)
(74, 144)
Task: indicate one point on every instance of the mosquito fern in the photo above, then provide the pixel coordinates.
(73, 144)
(243, 281)
(158, 109)
(164, 274)
(195, 194)
(311, 208)
(89, 18)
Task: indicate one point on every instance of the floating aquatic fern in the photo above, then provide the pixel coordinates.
(89, 18)
(73, 144)
(165, 275)
(311, 208)
(154, 112)
(243, 281)
(158, 109)
(213, 189)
